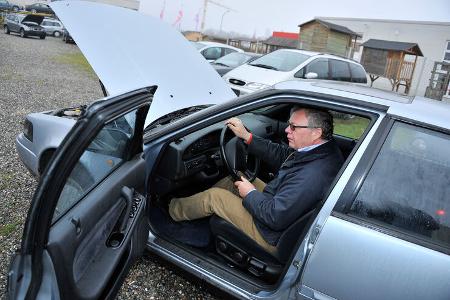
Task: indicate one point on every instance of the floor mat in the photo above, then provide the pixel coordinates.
(194, 233)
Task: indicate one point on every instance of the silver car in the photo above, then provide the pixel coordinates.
(53, 27)
(380, 232)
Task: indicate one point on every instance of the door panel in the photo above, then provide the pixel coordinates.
(89, 227)
(349, 261)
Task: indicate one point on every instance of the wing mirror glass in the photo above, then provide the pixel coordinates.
(311, 75)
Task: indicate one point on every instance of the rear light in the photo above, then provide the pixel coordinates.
(28, 130)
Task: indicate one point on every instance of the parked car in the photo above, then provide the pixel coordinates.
(39, 8)
(380, 232)
(230, 61)
(53, 27)
(25, 25)
(288, 64)
(8, 6)
(66, 37)
(212, 50)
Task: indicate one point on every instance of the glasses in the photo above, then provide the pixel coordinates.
(293, 126)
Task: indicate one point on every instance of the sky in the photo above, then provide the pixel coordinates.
(259, 18)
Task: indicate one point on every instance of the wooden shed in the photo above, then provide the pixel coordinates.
(280, 40)
(321, 36)
(395, 61)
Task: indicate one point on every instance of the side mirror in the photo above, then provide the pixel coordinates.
(311, 75)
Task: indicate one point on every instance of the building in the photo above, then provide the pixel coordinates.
(433, 38)
(280, 40)
(322, 36)
(132, 4)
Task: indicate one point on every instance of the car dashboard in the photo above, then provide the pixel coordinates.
(196, 157)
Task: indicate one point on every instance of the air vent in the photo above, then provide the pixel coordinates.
(236, 81)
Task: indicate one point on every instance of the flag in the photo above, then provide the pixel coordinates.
(179, 17)
(161, 14)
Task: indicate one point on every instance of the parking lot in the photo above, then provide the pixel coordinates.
(38, 75)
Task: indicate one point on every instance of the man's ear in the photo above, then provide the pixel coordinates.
(317, 133)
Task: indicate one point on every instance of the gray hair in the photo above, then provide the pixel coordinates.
(318, 118)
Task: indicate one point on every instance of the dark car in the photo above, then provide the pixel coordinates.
(66, 37)
(230, 61)
(8, 6)
(29, 25)
(39, 8)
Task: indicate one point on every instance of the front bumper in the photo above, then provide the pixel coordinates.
(35, 33)
(27, 156)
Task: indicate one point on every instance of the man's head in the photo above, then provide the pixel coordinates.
(308, 127)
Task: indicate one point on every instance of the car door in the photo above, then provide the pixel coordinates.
(388, 235)
(87, 223)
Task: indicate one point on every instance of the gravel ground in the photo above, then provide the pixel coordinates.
(33, 79)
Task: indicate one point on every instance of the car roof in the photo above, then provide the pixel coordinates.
(208, 43)
(326, 55)
(421, 109)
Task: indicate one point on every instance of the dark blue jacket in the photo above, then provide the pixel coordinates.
(301, 182)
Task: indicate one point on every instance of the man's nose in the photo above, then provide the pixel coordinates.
(287, 130)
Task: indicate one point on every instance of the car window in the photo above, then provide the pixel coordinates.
(212, 53)
(339, 70)
(228, 51)
(358, 73)
(349, 125)
(281, 60)
(103, 155)
(320, 67)
(408, 186)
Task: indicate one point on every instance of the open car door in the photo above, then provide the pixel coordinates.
(87, 221)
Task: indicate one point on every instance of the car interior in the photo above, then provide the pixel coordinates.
(196, 161)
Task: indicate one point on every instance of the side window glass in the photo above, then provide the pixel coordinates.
(408, 186)
(339, 70)
(106, 152)
(227, 51)
(212, 53)
(358, 74)
(348, 125)
(320, 67)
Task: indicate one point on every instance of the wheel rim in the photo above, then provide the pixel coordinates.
(56, 34)
(22, 33)
(33, 11)
(5, 29)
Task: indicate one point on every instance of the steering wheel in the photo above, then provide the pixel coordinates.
(236, 157)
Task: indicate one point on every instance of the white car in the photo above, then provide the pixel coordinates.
(290, 64)
(212, 50)
(380, 231)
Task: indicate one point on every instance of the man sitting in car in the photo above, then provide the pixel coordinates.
(263, 211)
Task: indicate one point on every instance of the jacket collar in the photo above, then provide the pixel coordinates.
(318, 152)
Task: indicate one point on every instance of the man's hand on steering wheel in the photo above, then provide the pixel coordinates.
(238, 128)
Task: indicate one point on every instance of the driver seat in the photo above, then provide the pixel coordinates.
(242, 251)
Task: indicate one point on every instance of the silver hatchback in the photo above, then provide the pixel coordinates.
(53, 27)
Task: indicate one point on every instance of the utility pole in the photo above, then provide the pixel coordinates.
(205, 8)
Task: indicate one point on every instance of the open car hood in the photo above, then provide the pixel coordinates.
(129, 50)
(33, 18)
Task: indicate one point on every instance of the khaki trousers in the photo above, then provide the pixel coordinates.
(222, 200)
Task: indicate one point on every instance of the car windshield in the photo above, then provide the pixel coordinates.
(280, 60)
(198, 46)
(233, 59)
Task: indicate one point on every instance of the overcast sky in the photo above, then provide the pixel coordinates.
(260, 18)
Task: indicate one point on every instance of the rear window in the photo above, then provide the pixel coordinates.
(408, 186)
(281, 60)
(339, 70)
(358, 73)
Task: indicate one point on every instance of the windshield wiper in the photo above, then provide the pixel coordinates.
(264, 66)
(169, 118)
(221, 64)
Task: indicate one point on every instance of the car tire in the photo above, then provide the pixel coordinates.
(6, 29)
(33, 11)
(15, 8)
(56, 34)
(42, 37)
(22, 33)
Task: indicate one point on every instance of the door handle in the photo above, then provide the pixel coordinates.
(127, 194)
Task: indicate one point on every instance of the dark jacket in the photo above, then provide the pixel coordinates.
(301, 182)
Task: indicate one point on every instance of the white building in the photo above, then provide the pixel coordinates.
(433, 39)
